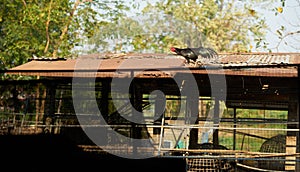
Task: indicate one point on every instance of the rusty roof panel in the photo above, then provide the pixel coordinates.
(252, 59)
(268, 72)
(160, 65)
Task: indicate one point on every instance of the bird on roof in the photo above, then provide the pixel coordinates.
(194, 54)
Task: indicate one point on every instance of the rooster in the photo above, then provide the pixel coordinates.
(195, 53)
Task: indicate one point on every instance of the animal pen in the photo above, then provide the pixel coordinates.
(239, 113)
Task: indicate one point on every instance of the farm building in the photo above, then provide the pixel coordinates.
(237, 113)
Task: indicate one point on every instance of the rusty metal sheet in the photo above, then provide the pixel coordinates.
(149, 65)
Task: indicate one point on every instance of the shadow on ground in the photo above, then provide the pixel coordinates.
(55, 153)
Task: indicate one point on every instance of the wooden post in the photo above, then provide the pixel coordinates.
(50, 107)
(292, 136)
(105, 84)
(234, 126)
(37, 105)
(136, 101)
(160, 103)
(298, 118)
(216, 122)
(192, 116)
(104, 108)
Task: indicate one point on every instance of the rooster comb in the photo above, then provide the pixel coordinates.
(173, 49)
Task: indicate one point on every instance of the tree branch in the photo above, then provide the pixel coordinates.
(24, 3)
(47, 28)
(285, 36)
(64, 31)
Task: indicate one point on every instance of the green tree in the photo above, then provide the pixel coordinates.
(49, 28)
(115, 36)
(223, 25)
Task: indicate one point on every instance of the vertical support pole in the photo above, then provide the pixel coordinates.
(159, 119)
(17, 108)
(133, 130)
(291, 138)
(159, 109)
(298, 119)
(17, 104)
(161, 134)
(216, 122)
(50, 107)
(293, 123)
(136, 101)
(193, 118)
(104, 108)
(234, 128)
(104, 98)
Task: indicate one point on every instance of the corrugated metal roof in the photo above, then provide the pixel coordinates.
(162, 65)
(259, 59)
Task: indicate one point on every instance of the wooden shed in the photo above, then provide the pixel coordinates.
(232, 108)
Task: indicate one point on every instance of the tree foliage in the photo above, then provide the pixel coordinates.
(287, 32)
(49, 28)
(115, 36)
(222, 25)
